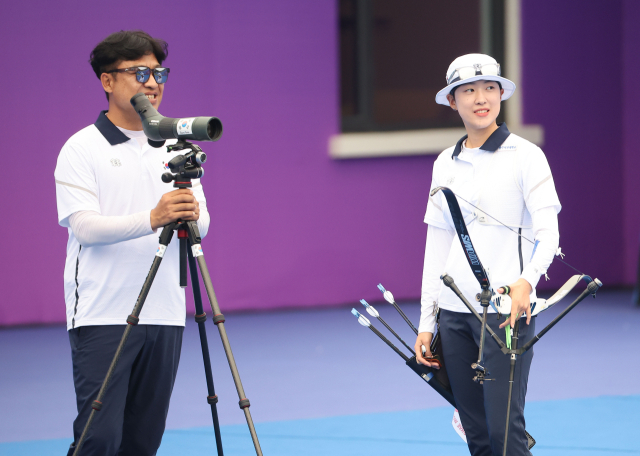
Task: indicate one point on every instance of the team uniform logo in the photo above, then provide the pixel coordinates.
(116, 162)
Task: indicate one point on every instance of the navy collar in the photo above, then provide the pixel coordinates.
(110, 132)
(491, 144)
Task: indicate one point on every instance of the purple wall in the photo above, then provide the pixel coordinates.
(572, 81)
(290, 227)
(630, 145)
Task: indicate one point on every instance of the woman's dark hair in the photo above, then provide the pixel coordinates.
(453, 91)
(126, 45)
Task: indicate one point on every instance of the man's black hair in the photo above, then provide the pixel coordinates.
(453, 91)
(126, 45)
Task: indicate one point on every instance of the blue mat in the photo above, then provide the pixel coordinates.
(603, 426)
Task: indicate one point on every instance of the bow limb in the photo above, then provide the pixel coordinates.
(463, 236)
(501, 303)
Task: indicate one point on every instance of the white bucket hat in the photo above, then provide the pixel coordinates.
(474, 67)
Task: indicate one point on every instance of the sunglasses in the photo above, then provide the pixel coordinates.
(488, 69)
(142, 73)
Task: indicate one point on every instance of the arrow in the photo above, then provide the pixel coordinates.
(389, 298)
(364, 321)
(374, 313)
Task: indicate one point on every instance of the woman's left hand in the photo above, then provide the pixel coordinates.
(520, 304)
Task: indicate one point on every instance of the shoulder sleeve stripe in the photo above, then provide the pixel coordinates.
(540, 183)
(76, 186)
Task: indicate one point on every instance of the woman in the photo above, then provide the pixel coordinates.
(506, 177)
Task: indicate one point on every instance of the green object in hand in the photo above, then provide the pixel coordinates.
(507, 330)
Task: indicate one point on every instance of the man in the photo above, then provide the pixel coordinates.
(509, 178)
(112, 201)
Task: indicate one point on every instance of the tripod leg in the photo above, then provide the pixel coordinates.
(514, 346)
(218, 320)
(184, 240)
(201, 317)
(132, 320)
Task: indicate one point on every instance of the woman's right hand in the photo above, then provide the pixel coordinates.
(424, 340)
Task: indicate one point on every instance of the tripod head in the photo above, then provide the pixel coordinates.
(186, 166)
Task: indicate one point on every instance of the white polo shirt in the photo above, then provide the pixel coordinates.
(101, 169)
(508, 178)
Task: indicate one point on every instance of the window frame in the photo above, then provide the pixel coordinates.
(435, 140)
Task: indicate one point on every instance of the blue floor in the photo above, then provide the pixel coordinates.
(603, 426)
(319, 383)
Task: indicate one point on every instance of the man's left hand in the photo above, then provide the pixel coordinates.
(520, 304)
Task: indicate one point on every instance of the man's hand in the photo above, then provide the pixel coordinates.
(178, 204)
(520, 304)
(424, 338)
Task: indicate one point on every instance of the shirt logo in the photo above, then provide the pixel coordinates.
(115, 162)
(450, 180)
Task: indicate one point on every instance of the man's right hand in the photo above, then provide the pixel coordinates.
(424, 339)
(178, 204)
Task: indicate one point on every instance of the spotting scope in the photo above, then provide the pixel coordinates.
(158, 127)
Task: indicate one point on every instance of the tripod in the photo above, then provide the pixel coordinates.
(186, 167)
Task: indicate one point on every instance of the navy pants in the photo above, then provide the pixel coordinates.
(136, 402)
(483, 408)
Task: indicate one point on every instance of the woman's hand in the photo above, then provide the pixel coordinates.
(424, 340)
(520, 304)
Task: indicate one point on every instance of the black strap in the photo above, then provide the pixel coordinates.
(463, 235)
(520, 249)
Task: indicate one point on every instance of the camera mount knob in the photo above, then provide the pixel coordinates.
(201, 157)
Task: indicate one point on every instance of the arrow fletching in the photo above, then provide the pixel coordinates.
(386, 294)
(370, 310)
(361, 318)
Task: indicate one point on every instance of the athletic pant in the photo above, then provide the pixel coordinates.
(135, 405)
(483, 408)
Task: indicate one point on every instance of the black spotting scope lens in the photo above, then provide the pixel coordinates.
(214, 128)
